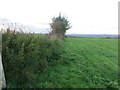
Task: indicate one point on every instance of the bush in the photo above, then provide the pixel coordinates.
(59, 25)
(27, 54)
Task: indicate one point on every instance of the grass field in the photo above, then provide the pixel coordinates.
(85, 63)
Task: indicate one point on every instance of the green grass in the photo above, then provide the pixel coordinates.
(85, 63)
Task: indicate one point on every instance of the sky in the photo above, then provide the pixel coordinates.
(85, 16)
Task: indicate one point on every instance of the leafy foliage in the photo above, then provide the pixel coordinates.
(25, 55)
(59, 25)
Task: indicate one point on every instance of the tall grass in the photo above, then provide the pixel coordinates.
(25, 55)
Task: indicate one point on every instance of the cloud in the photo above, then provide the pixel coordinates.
(4, 20)
(29, 28)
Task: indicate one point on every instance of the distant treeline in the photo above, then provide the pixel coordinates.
(93, 35)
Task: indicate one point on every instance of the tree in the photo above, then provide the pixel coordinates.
(59, 25)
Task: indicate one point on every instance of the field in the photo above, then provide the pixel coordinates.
(85, 63)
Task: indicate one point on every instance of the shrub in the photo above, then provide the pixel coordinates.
(27, 54)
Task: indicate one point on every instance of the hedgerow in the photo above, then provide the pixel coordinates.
(25, 54)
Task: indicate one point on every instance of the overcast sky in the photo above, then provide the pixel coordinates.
(85, 16)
